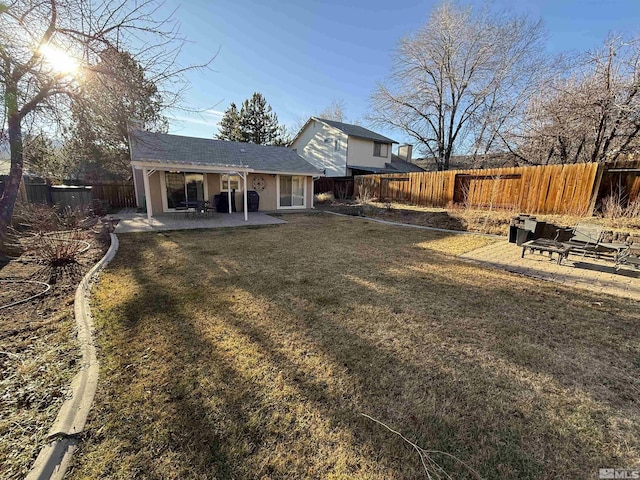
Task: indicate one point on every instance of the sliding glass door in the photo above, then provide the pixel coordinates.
(291, 193)
(184, 189)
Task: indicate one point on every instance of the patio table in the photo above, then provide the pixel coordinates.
(549, 246)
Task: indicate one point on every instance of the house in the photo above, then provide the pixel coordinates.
(343, 150)
(468, 162)
(172, 172)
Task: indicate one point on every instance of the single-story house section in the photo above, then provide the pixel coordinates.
(173, 171)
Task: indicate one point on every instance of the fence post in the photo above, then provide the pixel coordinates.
(595, 189)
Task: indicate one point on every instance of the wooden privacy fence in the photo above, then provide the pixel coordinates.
(118, 195)
(341, 187)
(556, 189)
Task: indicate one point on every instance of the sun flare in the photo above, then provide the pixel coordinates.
(59, 60)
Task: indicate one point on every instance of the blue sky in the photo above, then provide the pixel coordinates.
(301, 55)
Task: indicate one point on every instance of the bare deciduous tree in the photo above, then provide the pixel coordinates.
(591, 115)
(460, 80)
(334, 111)
(45, 45)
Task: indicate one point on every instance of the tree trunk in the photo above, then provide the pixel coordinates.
(12, 185)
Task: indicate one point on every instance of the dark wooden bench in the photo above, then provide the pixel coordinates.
(549, 246)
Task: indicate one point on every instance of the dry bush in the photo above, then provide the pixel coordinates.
(340, 190)
(364, 195)
(326, 197)
(612, 206)
(37, 217)
(633, 209)
(58, 248)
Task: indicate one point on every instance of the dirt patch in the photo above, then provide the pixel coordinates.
(38, 351)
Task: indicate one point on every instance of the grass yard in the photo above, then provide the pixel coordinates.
(256, 353)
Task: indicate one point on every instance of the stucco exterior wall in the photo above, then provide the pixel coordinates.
(156, 192)
(268, 196)
(360, 153)
(311, 146)
(138, 182)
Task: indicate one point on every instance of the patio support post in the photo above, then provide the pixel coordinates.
(244, 191)
(147, 193)
(229, 191)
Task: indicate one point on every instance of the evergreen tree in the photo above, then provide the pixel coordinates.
(230, 125)
(254, 123)
(113, 93)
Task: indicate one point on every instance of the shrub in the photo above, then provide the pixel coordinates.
(58, 248)
(37, 217)
(326, 197)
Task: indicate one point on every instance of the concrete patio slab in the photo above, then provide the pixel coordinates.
(587, 273)
(131, 222)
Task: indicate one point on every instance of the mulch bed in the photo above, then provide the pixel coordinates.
(38, 350)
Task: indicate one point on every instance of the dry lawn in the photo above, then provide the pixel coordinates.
(253, 353)
(469, 219)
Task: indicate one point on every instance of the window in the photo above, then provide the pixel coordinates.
(183, 189)
(291, 190)
(336, 145)
(235, 182)
(380, 149)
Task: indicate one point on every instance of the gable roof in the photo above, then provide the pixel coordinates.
(164, 148)
(403, 166)
(355, 130)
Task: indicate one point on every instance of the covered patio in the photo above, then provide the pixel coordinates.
(131, 222)
(176, 174)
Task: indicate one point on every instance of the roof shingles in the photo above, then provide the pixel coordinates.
(356, 131)
(151, 147)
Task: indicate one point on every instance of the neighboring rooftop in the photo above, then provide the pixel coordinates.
(161, 148)
(356, 131)
(468, 162)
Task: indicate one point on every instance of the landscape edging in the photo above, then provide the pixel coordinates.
(53, 459)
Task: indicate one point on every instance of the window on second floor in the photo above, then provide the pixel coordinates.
(336, 145)
(380, 149)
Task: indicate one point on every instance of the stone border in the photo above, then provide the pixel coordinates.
(53, 460)
(410, 225)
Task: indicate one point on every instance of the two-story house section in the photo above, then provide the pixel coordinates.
(342, 149)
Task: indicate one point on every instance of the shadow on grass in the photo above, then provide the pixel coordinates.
(262, 357)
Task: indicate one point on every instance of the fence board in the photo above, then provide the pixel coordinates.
(541, 189)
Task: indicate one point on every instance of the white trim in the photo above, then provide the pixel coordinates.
(135, 187)
(229, 174)
(313, 193)
(317, 173)
(191, 167)
(244, 192)
(233, 169)
(147, 194)
(304, 194)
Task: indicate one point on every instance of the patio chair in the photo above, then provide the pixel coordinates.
(587, 238)
(625, 257)
(205, 208)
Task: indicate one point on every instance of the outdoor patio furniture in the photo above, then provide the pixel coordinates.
(587, 238)
(180, 211)
(544, 245)
(625, 257)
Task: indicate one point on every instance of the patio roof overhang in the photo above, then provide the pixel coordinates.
(206, 168)
(191, 167)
